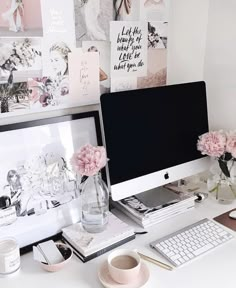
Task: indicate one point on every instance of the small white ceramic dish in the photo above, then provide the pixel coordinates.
(66, 252)
(108, 282)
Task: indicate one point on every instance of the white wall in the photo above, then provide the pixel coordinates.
(220, 64)
(187, 40)
(202, 46)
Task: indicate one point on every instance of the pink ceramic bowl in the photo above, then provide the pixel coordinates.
(66, 252)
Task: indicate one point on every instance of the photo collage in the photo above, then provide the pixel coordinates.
(59, 54)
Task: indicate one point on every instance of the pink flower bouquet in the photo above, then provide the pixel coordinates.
(89, 160)
(222, 146)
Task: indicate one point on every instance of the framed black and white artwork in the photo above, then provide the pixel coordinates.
(38, 188)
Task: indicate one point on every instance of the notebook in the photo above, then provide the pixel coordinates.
(94, 244)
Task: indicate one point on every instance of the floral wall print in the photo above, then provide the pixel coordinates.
(46, 92)
(18, 55)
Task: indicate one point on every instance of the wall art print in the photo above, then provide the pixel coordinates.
(84, 76)
(38, 189)
(104, 49)
(20, 18)
(128, 48)
(47, 92)
(123, 84)
(14, 97)
(92, 19)
(154, 10)
(126, 10)
(19, 58)
(44, 34)
(157, 34)
(157, 69)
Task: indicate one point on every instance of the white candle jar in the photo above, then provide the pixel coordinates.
(9, 256)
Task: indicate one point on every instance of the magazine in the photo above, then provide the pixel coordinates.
(155, 206)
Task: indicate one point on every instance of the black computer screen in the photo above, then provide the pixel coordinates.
(152, 129)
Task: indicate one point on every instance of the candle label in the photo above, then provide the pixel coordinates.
(10, 262)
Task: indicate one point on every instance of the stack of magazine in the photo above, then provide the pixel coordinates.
(87, 246)
(156, 205)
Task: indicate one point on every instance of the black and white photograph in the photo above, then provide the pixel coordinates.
(37, 181)
(19, 58)
(92, 19)
(126, 10)
(14, 97)
(157, 34)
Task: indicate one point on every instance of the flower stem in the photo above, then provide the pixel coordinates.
(97, 193)
(217, 191)
(232, 190)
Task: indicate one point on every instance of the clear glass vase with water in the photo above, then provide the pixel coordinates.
(222, 187)
(94, 204)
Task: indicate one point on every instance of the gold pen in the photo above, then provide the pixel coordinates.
(154, 261)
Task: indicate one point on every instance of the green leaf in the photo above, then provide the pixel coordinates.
(228, 156)
(83, 179)
(224, 167)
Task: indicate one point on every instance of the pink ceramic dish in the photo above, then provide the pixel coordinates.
(66, 252)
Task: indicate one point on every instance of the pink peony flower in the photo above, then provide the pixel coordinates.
(212, 143)
(231, 144)
(89, 160)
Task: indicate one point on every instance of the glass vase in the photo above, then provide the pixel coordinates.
(222, 188)
(94, 204)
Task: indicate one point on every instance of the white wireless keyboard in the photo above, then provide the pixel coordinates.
(188, 243)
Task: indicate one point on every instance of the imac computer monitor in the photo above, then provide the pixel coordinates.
(151, 136)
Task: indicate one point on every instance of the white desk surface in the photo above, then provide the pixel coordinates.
(215, 269)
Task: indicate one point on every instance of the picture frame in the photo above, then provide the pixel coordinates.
(38, 188)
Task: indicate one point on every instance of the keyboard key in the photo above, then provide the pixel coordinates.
(203, 249)
(191, 241)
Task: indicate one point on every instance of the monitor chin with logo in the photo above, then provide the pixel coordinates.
(151, 133)
(166, 176)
